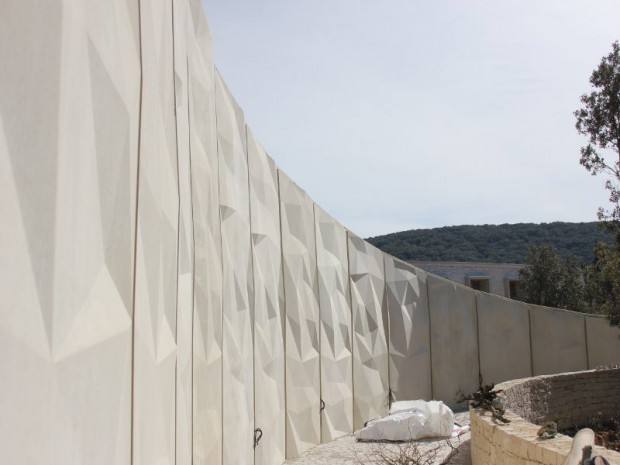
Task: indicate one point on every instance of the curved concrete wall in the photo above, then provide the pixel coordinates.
(166, 290)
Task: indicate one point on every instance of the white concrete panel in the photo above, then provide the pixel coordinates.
(558, 340)
(207, 344)
(503, 338)
(154, 399)
(335, 310)
(303, 428)
(603, 342)
(269, 409)
(185, 292)
(409, 335)
(370, 326)
(69, 117)
(237, 299)
(454, 341)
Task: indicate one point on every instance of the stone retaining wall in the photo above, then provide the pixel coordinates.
(567, 398)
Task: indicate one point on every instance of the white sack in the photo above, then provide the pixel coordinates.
(410, 420)
(439, 417)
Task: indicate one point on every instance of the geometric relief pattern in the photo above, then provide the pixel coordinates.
(302, 319)
(407, 306)
(370, 326)
(335, 310)
(185, 292)
(68, 163)
(117, 141)
(454, 340)
(207, 332)
(238, 363)
(556, 351)
(154, 401)
(503, 338)
(269, 410)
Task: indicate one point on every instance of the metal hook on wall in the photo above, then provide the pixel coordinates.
(258, 434)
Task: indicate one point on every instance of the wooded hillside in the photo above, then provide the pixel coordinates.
(504, 243)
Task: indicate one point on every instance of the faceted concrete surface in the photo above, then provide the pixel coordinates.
(69, 139)
(237, 279)
(370, 327)
(269, 390)
(335, 310)
(155, 313)
(303, 378)
(186, 253)
(207, 320)
(407, 307)
(165, 290)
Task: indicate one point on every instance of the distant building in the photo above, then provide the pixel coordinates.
(495, 278)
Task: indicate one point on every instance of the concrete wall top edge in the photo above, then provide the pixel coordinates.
(453, 283)
(516, 266)
(559, 310)
(515, 382)
(499, 298)
(326, 214)
(259, 147)
(281, 172)
(405, 265)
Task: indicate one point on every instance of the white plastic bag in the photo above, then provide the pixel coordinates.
(410, 420)
(439, 417)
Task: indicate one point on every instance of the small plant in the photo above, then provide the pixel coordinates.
(487, 399)
(404, 453)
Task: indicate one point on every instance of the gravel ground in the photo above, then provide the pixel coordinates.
(347, 451)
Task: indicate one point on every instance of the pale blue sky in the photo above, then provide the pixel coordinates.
(402, 114)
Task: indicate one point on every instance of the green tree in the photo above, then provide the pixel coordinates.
(549, 280)
(599, 120)
(602, 282)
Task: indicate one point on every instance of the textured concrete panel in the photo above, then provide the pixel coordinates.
(207, 344)
(269, 409)
(407, 306)
(185, 268)
(335, 310)
(370, 326)
(454, 341)
(154, 399)
(503, 338)
(558, 340)
(69, 117)
(603, 342)
(238, 376)
(303, 428)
